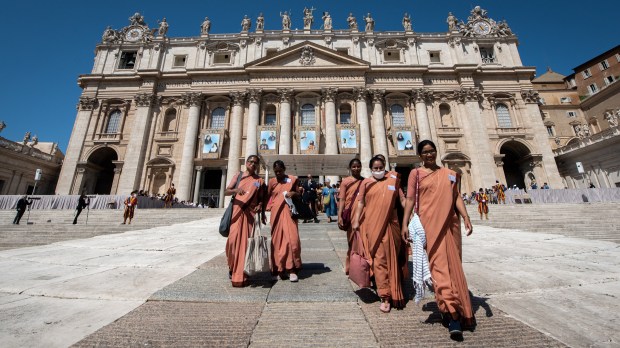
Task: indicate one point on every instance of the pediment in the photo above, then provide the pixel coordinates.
(307, 55)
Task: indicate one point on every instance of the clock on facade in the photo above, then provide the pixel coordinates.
(482, 27)
(134, 34)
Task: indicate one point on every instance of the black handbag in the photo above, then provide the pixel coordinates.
(227, 217)
(303, 210)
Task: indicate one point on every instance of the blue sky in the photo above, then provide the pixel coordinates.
(47, 44)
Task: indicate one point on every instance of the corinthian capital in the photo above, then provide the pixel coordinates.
(238, 97)
(192, 98)
(87, 103)
(421, 95)
(285, 94)
(468, 95)
(377, 95)
(530, 96)
(329, 94)
(144, 99)
(360, 93)
(254, 95)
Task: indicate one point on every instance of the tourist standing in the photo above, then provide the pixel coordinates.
(376, 219)
(83, 202)
(22, 203)
(285, 243)
(329, 201)
(248, 200)
(349, 189)
(170, 196)
(130, 207)
(310, 195)
(483, 203)
(438, 196)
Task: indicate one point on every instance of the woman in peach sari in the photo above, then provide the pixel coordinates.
(285, 244)
(438, 206)
(349, 188)
(247, 201)
(375, 217)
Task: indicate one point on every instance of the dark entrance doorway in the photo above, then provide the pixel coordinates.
(101, 168)
(516, 161)
(210, 188)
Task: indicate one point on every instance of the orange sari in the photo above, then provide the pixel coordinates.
(285, 243)
(438, 195)
(242, 223)
(345, 196)
(380, 229)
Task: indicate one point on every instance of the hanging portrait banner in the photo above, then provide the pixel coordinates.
(404, 141)
(308, 139)
(268, 138)
(212, 140)
(348, 139)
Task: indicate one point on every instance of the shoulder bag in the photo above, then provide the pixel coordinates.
(346, 213)
(257, 252)
(227, 217)
(359, 268)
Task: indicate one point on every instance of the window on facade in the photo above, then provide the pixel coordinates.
(270, 52)
(592, 88)
(218, 118)
(179, 61)
(114, 122)
(391, 56)
(344, 50)
(128, 60)
(609, 80)
(572, 83)
(586, 73)
(487, 54)
(550, 131)
(435, 56)
(566, 100)
(398, 115)
(222, 58)
(170, 118)
(503, 116)
(571, 114)
(604, 65)
(345, 114)
(270, 115)
(307, 115)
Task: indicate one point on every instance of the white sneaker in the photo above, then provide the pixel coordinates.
(293, 277)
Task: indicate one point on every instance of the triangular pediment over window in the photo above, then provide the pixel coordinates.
(308, 56)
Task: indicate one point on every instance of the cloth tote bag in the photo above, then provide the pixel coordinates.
(257, 252)
(359, 268)
(227, 217)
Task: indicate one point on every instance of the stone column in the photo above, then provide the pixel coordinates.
(117, 175)
(236, 131)
(362, 120)
(74, 149)
(197, 184)
(541, 138)
(134, 156)
(419, 98)
(286, 125)
(251, 145)
(331, 138)
(223, 184)
(184, 184)
(378, 124)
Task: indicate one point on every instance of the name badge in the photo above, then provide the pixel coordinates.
(452, 178)
(288, 180)
(392, 176)
(391, 188)
(256, 184)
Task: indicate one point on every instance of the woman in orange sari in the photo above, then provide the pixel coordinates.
(285, 244)
(247, 201)
(349, 189)
(375, 217)
(439, 195)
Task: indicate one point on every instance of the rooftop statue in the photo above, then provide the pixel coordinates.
(477, 13)
(35, 140)
(352, 22)
(286, 21)
(2, 125)
(370, 23)
(137, 19)
(308, 18)
(109, 35)
(452, 22)
(327, 21)
(205, 27)
(407, 22)
(260, 22)
(26, 138)
(246, 23)
(163, 27)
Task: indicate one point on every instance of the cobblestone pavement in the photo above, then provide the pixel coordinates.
(324, 309)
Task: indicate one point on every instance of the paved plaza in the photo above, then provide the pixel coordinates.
(165, 284)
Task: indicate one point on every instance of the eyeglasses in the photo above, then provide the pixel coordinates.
(431, 152)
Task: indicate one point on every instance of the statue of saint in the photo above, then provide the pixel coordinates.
(2, 125)
(370, 23)
(26, 138)
(35, 140)
(407, 22)
(205, 26)
(352, 21)
(109, 35)
(452, 22)
(286, 21)
(327, 21)
(137, 19)
(260, 22)
(611, 118)
(163, 27)
(246, 23)
(308, 18)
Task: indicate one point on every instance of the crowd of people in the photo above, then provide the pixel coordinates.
(375, 211)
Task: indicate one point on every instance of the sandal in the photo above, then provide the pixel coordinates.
(384, 306)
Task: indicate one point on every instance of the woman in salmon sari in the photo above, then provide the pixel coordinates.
(439, 195)
(349, 189)
(376, 219)
(285, 244)
(248, 200)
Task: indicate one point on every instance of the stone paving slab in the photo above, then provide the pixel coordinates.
(330, 324)
(180, 324)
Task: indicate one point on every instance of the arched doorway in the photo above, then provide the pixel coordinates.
(101, 170)
(517, 163)
(461, 164)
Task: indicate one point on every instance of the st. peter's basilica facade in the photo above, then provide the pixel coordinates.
(156, 110)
